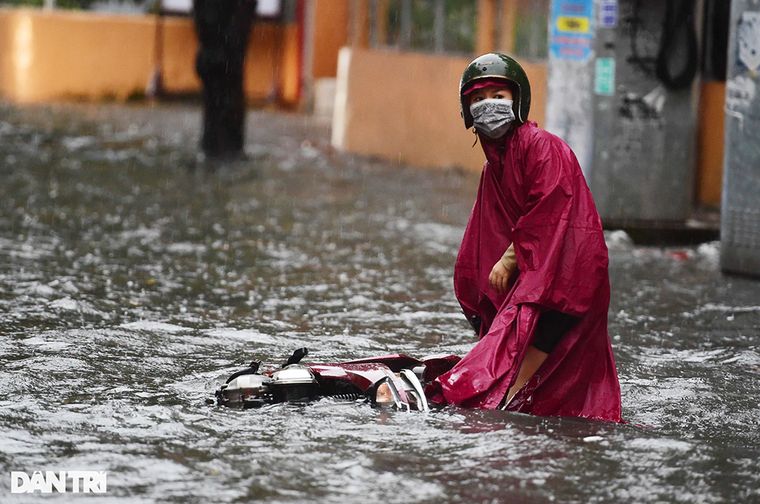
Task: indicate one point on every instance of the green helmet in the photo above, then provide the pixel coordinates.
(497, 66)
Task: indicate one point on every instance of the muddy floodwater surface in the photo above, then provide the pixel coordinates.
(134, 278)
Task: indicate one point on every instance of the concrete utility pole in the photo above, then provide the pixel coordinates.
(622, 91)
(740, 211)
(223, 28)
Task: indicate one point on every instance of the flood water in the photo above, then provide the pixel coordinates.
(134, 278)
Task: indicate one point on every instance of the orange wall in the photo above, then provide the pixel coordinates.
(272, 65)
(6, 54)
(404, 106)
(58, 55)
(710, 143)
(331, 21)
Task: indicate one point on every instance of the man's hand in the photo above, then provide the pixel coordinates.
(502, 270)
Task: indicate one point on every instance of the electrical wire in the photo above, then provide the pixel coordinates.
(678, 26)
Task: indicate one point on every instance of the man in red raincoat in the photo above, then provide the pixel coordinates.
(531, 274)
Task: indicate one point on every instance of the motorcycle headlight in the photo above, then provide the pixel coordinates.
(293, 375)
(244, 391)
(294, 383)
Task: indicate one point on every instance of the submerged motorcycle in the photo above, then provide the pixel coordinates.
(395, 380)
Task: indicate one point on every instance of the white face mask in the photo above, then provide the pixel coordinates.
(492, 116)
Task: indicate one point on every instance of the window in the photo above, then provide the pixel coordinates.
(531, 29)
(424, 25)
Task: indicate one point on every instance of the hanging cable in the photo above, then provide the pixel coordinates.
(678, 29)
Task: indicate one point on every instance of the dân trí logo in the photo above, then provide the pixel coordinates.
(59, 481)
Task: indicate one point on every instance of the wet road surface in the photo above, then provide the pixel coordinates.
(134, 278)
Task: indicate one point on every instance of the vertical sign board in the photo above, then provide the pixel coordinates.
(571, 70)
(608, 13)
(604, 77)
(570, 34)
(740, 211)
(604, 72)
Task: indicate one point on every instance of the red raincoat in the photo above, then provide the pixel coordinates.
(532, 192)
